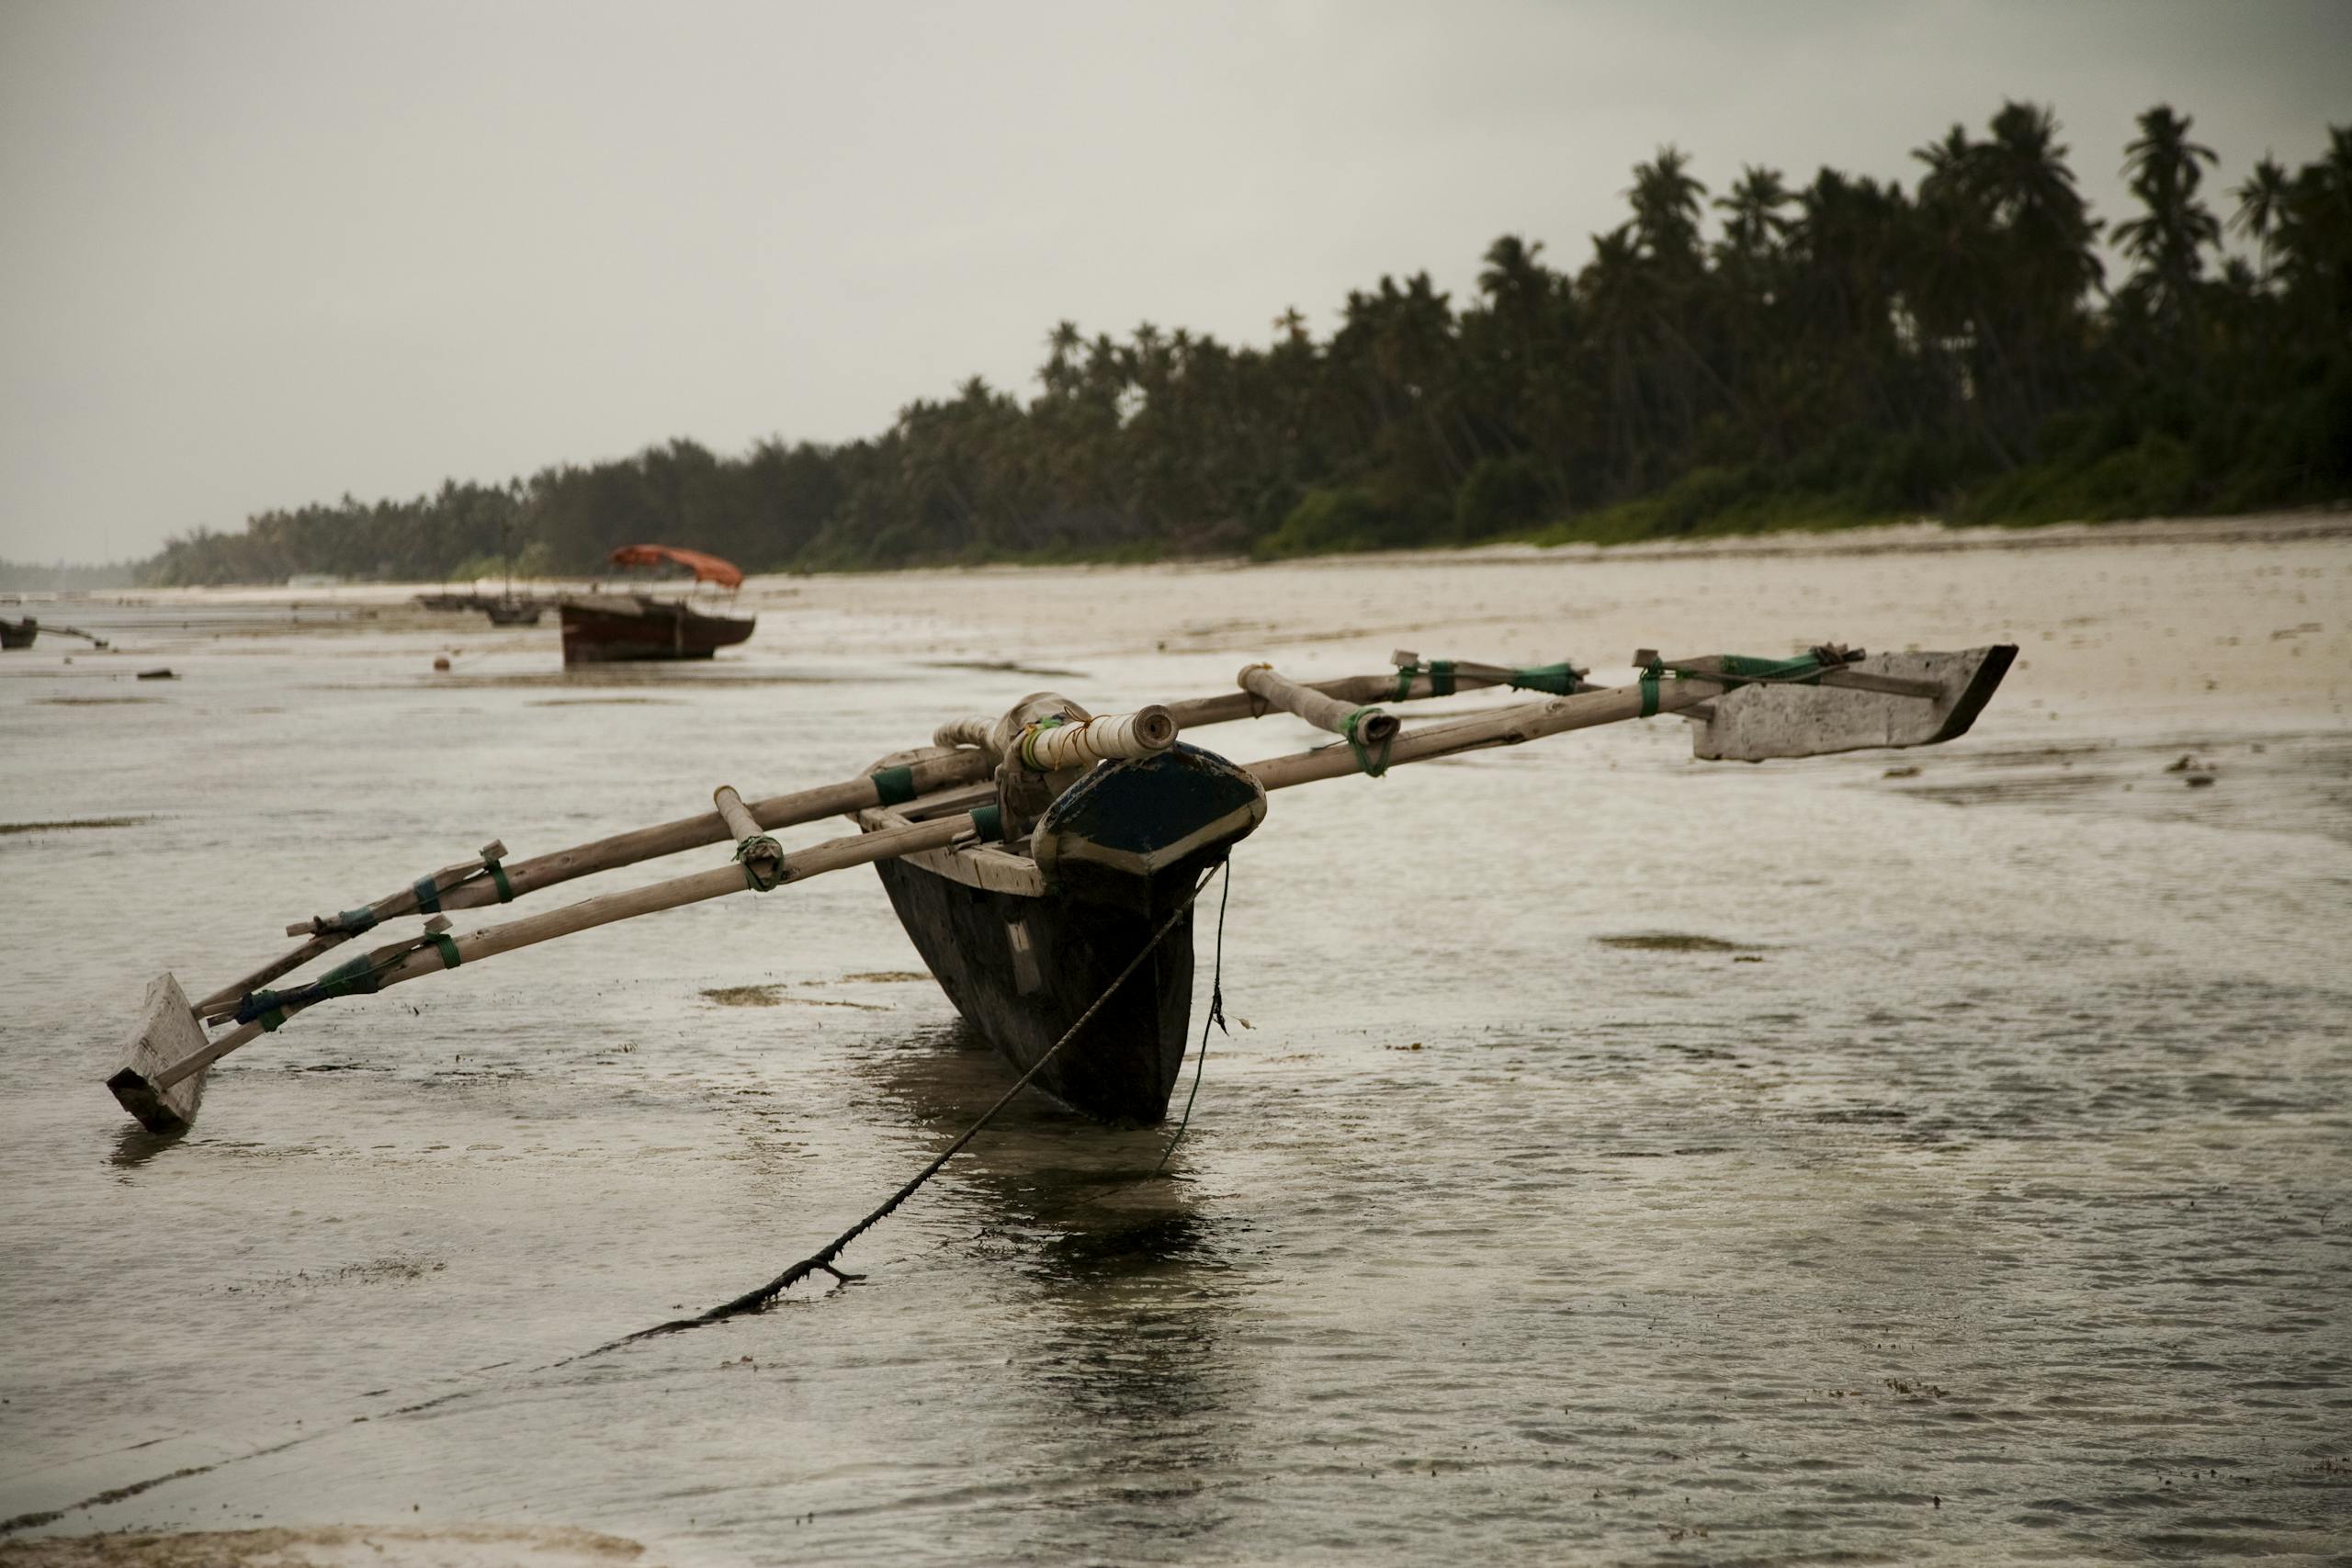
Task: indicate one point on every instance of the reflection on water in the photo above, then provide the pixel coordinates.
(134, 1146)
(1119, 1342)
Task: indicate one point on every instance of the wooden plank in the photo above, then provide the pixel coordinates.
(1882, 706)
(168, 1034)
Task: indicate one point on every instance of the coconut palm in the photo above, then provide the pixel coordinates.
(1668, 203)
(2261, 208)
(1753, 227)
(2164, 169)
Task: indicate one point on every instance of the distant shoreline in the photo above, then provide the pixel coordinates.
(1922, 537)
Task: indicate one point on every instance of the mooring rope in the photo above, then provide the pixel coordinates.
(1217, 1016)
(753, 1300)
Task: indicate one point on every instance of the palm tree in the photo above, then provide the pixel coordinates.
(2164, 169)
(2261, 208)
(1668, 203)
(2023, 171)
(1754, 228)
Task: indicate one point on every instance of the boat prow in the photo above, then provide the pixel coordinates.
(1025, 937)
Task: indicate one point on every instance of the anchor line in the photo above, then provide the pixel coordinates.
(750, 1302)
(1217, 1016)
(753, 1300)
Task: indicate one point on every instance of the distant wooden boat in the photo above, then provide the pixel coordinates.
(602, 628)
(512, 612)
(20, 634)
(504, 609)
(606, 628)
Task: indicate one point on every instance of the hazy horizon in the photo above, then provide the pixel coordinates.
(261, 255)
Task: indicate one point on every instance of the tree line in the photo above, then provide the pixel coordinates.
(1842, 351)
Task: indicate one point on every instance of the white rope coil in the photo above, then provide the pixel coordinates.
(963, 732)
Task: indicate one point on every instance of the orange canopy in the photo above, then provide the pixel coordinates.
(706, 568)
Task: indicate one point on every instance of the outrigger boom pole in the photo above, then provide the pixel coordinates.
(1746, 709)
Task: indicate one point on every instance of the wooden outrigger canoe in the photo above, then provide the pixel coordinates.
(1043, 861)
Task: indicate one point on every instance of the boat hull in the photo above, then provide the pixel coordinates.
(1024, 970)
(1025, 943)
(644, 629)
(18, 634)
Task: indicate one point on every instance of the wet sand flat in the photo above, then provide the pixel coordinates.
(1934, 1158)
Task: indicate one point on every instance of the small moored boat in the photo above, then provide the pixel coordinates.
(601, 628)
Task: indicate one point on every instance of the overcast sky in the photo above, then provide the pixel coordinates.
(256, 254)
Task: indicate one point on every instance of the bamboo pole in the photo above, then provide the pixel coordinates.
(1048, 749)
(761, 856)
(1512, 727)
(1198, 712)
(459, 888)
(834, 854)
(463, 885)
(1317, 708)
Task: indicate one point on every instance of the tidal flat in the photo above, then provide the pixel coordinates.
(1615, 1157)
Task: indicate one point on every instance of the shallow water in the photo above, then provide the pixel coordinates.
(1980, 1190)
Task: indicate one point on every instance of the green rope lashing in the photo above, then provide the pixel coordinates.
(1558, 680)
(1804, 670)
(428, 895)
(351, 922)
(894, 786)
(1375, 766)
(1651, 675)
(1439, 671)
(753, 849)
(988, 821)
(1029, 736)
(360, 977)
(498, 876)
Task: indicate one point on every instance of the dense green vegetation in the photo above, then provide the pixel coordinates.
(1840, 352)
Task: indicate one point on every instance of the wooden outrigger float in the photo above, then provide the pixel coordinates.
(1044, 862)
